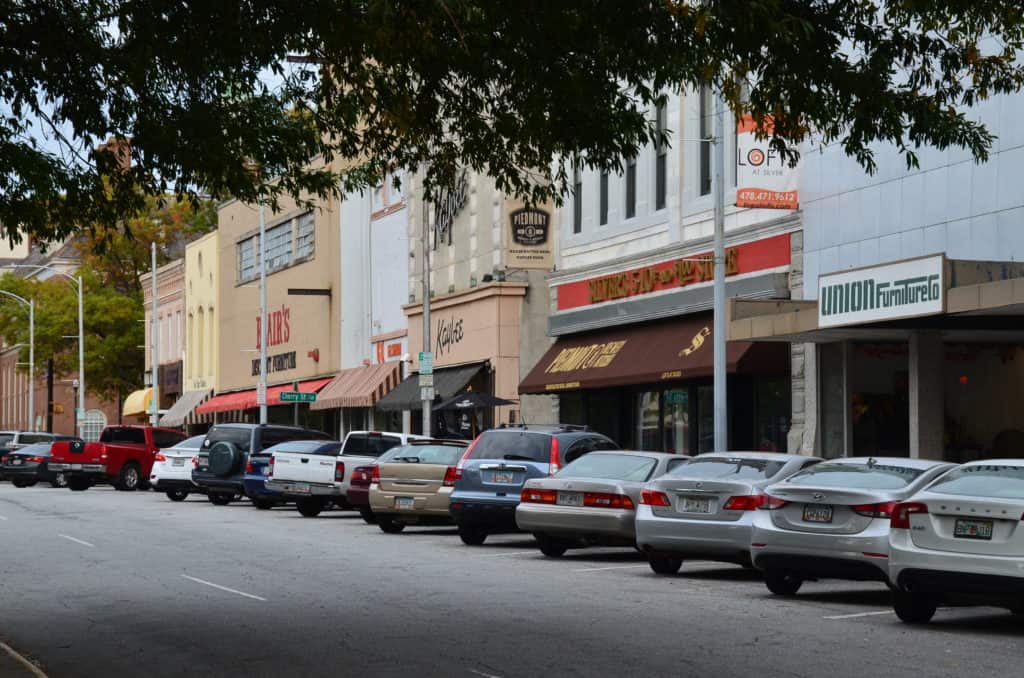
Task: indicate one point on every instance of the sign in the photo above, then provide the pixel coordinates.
(448, 205)
(427, 393)
(261, 394)
(297, 397)
(529, 243)
(905, 289)
(763, 178)
(426, 380)
(279, 329)
(281, 362)
(585, 357)
(449, 333)
(426, 360)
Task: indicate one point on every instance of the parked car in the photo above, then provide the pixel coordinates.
(960, 541)
(358, 495)
(29, 465)
(172, 469)
(123, 457)
(220, 464)
(704, 510)
(831, 521)
(306, 472)
(491, 475)
(590, 502)
(364, 448)
(14, 440)
(257, 469)
(411, 484)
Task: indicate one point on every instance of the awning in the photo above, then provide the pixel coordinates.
(359, 387)
(137, 403)
(643, 354)
(246, 400)
(183, 407)
(447, 382)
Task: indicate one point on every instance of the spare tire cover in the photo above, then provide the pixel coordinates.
(225, 459)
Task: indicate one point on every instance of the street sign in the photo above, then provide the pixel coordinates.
(261, 394)
(427, 393)
(426, 362)
(297, 397)
(426, 380)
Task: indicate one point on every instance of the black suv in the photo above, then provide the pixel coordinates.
(490, 477)
(220, 465)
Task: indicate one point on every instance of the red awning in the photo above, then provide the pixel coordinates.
(246, 400)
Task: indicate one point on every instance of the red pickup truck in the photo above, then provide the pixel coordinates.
(123, 457)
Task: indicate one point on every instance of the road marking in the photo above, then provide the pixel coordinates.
(481, 673)
(859, 614)
(616, 567)
(77, 541)
(16, 656)
(513, 553)
(223, 588)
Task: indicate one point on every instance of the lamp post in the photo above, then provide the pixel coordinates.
(261, 390)
(721, 400)
(154, 394)
(31, 355)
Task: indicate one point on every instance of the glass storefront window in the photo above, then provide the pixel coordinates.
(648, 421)
(705, 419)
(772, 417)
(676, 425)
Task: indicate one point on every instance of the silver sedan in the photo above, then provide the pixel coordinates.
(831, 521)
(704, 510)
(591, 501)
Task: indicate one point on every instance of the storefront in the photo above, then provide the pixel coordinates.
(922, 357)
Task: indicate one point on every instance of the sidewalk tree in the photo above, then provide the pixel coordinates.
(204, 89)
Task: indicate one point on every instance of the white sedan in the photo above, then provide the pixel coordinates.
(960, 541)
(172, 469)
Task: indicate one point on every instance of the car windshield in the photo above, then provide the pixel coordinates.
(369, 444)
(728, 468)
(513, 445)
(193, 443)
(857, 476)
(239, 437)
(988, 480)
(610, 467)
(445, 455)
(36, 450)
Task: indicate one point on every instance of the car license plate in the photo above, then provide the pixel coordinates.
(404, 503)
(694, 504)
(300, 488)
(178, 462)
(817, 513)
(265, 470)
(972, 529)
(503, 477)
(76, 467)
(570, 499)
(16, 462)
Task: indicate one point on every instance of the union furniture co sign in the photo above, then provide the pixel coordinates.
(904, 289)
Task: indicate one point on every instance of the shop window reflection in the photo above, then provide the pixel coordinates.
(676, 424)
(648, 421)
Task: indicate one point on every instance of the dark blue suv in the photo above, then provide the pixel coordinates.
(490, 477)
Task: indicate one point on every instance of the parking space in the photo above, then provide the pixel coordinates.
(103, 582)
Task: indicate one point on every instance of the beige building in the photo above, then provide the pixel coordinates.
(170, 328)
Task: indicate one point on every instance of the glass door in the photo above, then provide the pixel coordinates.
(705, 419)
(676, 423)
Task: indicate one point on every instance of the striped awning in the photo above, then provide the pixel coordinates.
(359, 386)
(178, 414)
(246, 400)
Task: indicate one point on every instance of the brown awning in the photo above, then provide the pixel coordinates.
(647, 353)
(359, 386)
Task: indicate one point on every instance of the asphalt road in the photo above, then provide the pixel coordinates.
(106, 583)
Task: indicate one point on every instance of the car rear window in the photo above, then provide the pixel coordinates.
(369, 445)
(445, 455)
(36, 450)
(857, 476)
(193, 443)
(514, 445)
(728, 468)
(6, 438)
(610, 467)
(989, 480)
(303, 447)
(30, 438)
(239, 437)
(134, 436)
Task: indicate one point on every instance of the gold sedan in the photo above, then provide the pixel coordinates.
(412, 483)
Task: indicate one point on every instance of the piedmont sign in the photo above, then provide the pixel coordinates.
(904, 289)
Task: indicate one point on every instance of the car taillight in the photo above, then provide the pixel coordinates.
(249, 468)
(195, 462)
(451, 475)
(882, 510)
(606, 500)
(770, 503)
(465, 457)
(375, 478)
(270, 466)
(36, 460)
(103, 452)
(744, 502)
(339, 471)
(532, 496)
(159, 457)
(654, 498)
(553, 460)
(901, 514)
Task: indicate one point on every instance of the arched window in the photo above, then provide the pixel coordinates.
(201, 331)
(93, 424)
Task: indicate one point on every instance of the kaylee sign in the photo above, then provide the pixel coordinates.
(448, 205)
(528, 239)
(763, 178)
(449, 334)
(904, 289)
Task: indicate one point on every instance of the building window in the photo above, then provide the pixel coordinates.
(660, 160)
(247, 259)
(648, 421)
(706, 102)
(603, 189)
(286, 243)
(387, 196)
(577, 201)
(93, 424)
(631, 188)
(305, 236)
(279, 246)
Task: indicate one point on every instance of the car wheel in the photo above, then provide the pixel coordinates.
(782, 583)
(23, 483)
(177, 495)
(389, 525)
(913, 608)
(129, 478)
(59, 480)
(472, 536)
(79, 484)
(664, 564)
(220, 499)
(368, 515)
(551, 547)
(310, 508)
(264, 504)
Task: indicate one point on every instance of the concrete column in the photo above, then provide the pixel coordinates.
(926, 396)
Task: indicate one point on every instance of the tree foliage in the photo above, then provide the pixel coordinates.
(507, 88)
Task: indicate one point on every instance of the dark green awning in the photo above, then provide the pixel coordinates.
(447, 382)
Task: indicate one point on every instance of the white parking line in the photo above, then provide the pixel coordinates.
(859, 614)
(481, 673)
(223, 588)
(512, 553)
(77, 541)
(16, 656)
(616, 567)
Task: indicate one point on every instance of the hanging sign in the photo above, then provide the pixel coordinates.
(528, 239)
(763, 178)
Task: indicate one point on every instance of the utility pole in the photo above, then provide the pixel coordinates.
(80, 410)
(425, 390)
(49, 396)
(261, 389)
(721, 419)
(32, 365)
(154, 397)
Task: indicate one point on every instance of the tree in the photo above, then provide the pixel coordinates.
(508, 88)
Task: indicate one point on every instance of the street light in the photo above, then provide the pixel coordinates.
(80, 412)
(31, 355)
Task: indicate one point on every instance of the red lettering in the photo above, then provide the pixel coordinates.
(287, 329)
